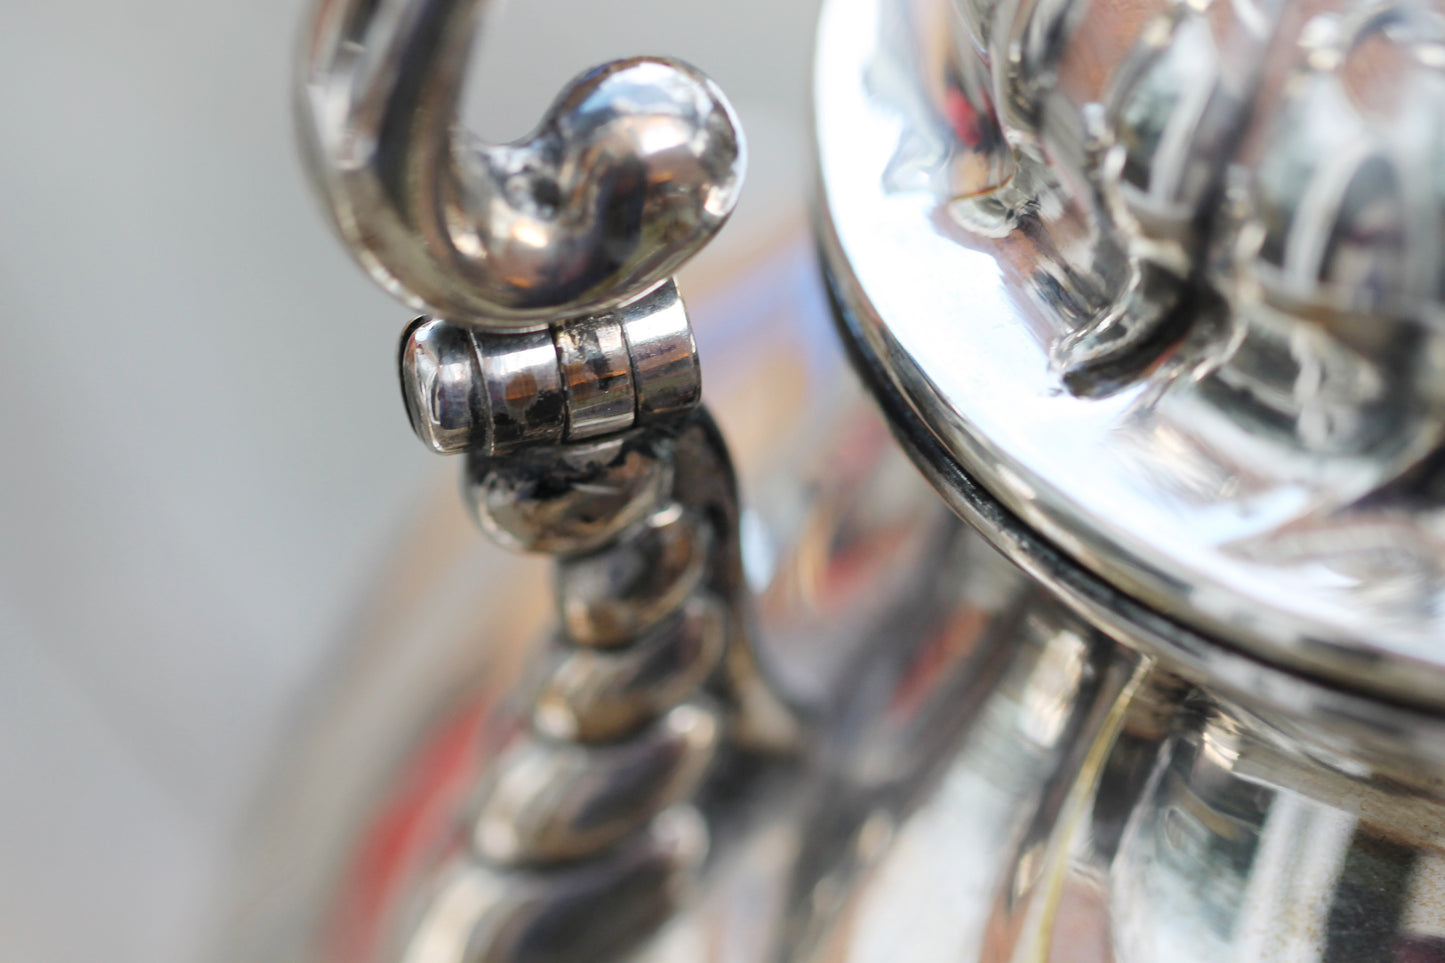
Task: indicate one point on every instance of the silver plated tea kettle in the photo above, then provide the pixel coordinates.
(1152, 666)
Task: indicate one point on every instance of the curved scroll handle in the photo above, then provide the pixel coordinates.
(633, 169)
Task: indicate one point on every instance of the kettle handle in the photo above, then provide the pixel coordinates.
(636, 165)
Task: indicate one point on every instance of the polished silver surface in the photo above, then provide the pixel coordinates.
(598, 695)
(572, 499)
(1164, 280)
(1094, 809)
(1151, 294)
(588, 376)
(399, 888)
(843, 726)
(601, 397)
(548, 802)
(635, 167)
(517, 379)
(549, 265)
(613, 595)
(621, 717)
(591, 911)
(993, 764)
(662, 354)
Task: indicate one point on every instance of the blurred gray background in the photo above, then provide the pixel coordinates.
(204, 453)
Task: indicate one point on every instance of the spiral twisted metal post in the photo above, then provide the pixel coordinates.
(559, 358)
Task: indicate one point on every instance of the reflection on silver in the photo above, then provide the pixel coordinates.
(597, 695)
(546, 803)
(1189, 330)
(596, 375)
(1160, 314)
(1163, 824)
(568, 500)
(614, 595)
(562, 362)
(1151, 295)
(634, 168)
(995, 765)
(589, 911)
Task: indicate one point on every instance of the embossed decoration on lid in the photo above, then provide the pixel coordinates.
(1168, 280)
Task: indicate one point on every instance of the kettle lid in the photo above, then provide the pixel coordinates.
(1167, 281)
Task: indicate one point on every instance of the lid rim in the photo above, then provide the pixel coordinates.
(915, 295)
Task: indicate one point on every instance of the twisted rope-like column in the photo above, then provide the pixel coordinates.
(558, 357)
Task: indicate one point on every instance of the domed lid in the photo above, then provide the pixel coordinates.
(1168, 281)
